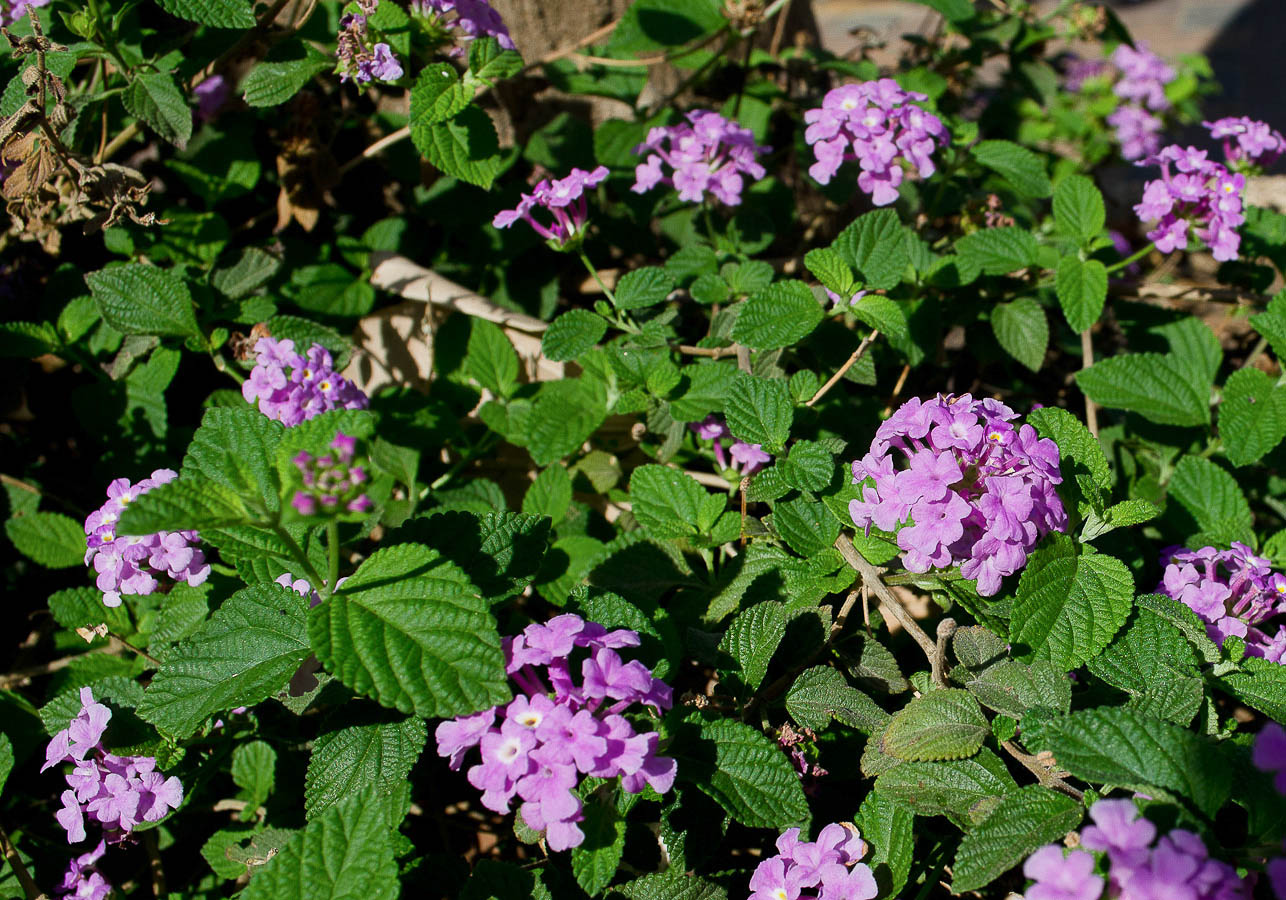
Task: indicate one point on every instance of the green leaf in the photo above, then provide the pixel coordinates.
(186, 504)
(1152, 661)
(26, 340)
(82, 607)
(346, 854)
(437, 96)
(759, 411)
(805, 525)
(6, 760)
(747, 774)
(490, 359)
(1169, 389)
(1261, 684)
(886, 825)
(809, 467)
(1212, 498)
(650, 25)
(139, 299)
(998, 251)
(669, 885)
(1023, 821)
(1118, 515)
(875, 245)
(549, 495)
(1138, 752)
(465, 146)
(1069, 604)
(157, 100)
(942, 724)
(831, 270)
(1252, 417)
(777, 316)
(643, 287)
(252, 270)
(356, 758)
(405, 630)
(667, 502)
(563, 416)
(594, 862)
(967, 789)
(1184, 619)
(1012, 688)
(703, 388)
(752, 639)
(709, 290)
(489, 62)
(1022, 330)
(571, 334)
(1021, 169)
(1272, 323)
(273, 83)
(820, 694)
(1078, 209)
(1081, 286)
(53, 540)
(953, 10)
(219, 13)
(248, 651)
(880, 312)
(254, 767)
(236, 448)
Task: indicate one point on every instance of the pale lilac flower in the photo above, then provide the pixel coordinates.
(748, 458)
(976, 492)
(210, 95)
(293, 388)
(1233, 591)
(1247, 142)
(828, 868)
(1059, 877)
(837, 301)
(130, 564)
(1270, 753)
(13, 10)
(117, 792)
(1144, 76)
(555, 731)
(878, 125)
(1201, 194)
(1079, 71)
(707, 154)
(1137, 131)
(82, 880)
(564, 199)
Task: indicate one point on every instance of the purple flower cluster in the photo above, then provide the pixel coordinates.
(473, 19)
(332, 483)
(877, 124)
(211, 94)
(129, 565)
(1233, 591)
(359, 60)
(13, 10)
(292, 388)
(1248, 143)
(1201, 193)
(977, 491)
(118, 792)
(1142, 81)
(1176, 867)
(744, 459)
(83, 881)
(1270, 756)
(827, 868)
(1078, 71)
(707, 153)
(556, 730)
(564, 198)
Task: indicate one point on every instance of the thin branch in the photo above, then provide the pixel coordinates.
(848, 364)
(19, 868)
(154, 864)
(128, 646)
(21, 485)
(946, 628)
(743, 358)
(842, 616)
(1044, 773)
(888, 600)
(779, 30)
(711, 352)
(1087, 360)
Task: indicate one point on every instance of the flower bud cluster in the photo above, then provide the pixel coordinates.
(538, 746)
(359, 60)
(564, 198)
(827, 869)
(1140, 866)
(293, 388)
(1247, 143)
(331, 482)
(877, 124)
(129, 565)
(118, 792)
(1233, 591)
(706, 154)
(1142, 81)
(473, 19)
(82, 880)
(1200, 193)
(977, 492)
(744, 459)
